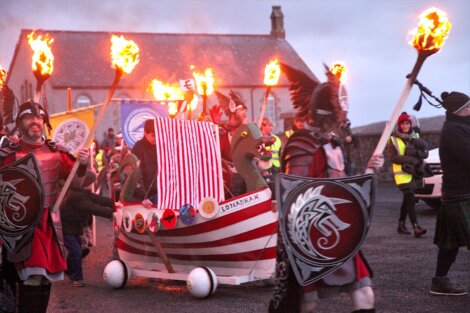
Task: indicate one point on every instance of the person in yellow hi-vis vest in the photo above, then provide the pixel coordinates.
(405, 165)
(272, 167)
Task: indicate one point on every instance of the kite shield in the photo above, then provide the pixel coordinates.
(21, 202)
(323, 222)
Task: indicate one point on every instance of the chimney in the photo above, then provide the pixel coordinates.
(277, 23)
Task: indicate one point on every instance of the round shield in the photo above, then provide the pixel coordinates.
(325, 222)
(208, 207)
(139, 223)
(127, 222)
(19, 209)
(187, 214)
(169, 219)
(153, 222)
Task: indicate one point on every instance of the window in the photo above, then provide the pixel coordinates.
(271, 109)
(83, 101)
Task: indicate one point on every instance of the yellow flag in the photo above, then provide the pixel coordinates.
(71, 129)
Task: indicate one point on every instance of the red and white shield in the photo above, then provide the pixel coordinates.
(323, 221)
(21, 202)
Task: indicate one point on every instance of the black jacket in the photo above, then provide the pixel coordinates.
(78, 207)
(147, 154)
(454, 151)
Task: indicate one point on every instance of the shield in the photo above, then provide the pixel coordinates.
(323, 221)
(21, 202)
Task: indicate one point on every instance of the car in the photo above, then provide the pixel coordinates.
(431, 192)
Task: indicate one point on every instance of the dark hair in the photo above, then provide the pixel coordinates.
(110, 129)
(149, 127)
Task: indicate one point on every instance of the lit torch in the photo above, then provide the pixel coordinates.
(42, 60)
(271, 77)
(124, 57)
(428, 38)
(205, 87)
(3, 75)
(170, 95)
(339, 70)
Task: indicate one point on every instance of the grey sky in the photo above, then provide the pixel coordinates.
(370, 36)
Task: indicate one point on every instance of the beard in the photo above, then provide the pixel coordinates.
(31, 134)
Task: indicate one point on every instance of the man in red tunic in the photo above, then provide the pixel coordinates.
(39, 261)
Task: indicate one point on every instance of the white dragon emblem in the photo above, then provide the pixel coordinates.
(12, 200)
(312, 209)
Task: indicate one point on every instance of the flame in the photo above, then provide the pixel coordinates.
(193, 103)
(339, 70)
(124, 53)
(205, 81)
(172, 109)
(272, 73)
(3, 75)
(43, 59)
(432, 31)
(163, 91)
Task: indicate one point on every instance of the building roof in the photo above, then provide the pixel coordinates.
(82, 58)
(427, 125)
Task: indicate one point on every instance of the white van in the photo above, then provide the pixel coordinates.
(431, 192)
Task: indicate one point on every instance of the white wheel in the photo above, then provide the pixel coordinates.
(116, 274)
(201, 282)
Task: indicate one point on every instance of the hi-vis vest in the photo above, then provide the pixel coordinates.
(400, 176)
(275, 148)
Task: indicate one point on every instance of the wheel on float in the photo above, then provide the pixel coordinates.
(201, 282)
(116, 274)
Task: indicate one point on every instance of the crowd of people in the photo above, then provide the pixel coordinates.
(113, 167)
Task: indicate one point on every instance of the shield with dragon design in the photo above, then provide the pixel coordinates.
(323, 221)
(21, 200)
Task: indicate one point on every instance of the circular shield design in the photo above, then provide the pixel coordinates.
(133, 129)
(71, 134)
(325, 222)
(20, 197)
(139, 223)
(187, 214)
(153, 222)
(208, 207)
(127, 222)
(169, 219)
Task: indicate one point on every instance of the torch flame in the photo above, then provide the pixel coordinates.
(272, 73)
(205, 81)
(172, 109)
(124, 53)
(339, 70)
(193, 103)
(432, 31)
(3, 75)
(43, 59)
(163, 91)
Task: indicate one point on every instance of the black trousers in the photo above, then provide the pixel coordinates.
(408, 206)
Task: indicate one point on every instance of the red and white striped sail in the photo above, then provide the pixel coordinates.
(189, 166)
(239, 240)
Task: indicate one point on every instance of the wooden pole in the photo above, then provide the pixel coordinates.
(87, 143)
(69, 99)
(263, 106)
(399, 105)
(160, 251)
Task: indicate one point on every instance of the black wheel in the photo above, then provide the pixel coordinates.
(434, 203)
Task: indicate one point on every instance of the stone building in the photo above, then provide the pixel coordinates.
(82, 63)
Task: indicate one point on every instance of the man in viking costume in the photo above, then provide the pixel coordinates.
(39, 260)
(235, 109)
(314, 152)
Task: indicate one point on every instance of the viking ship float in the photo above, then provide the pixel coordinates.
(193, 233)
